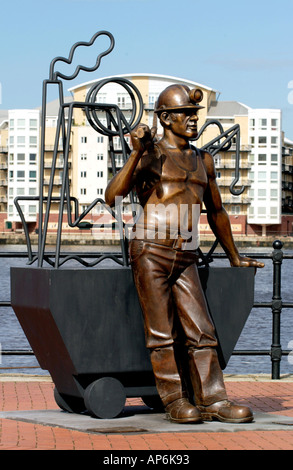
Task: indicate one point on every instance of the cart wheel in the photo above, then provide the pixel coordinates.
(69, 403)
(154, 402)
(105, 398)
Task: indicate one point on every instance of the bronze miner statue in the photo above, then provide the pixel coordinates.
(172, 180)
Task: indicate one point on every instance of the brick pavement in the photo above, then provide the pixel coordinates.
(37, 394)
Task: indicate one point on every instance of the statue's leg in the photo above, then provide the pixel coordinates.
(205, 371)
(152, 265)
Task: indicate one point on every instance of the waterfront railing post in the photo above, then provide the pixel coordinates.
(276, 349)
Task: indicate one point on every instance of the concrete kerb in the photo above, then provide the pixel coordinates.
(227, 378)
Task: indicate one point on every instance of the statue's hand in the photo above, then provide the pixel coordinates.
(142, 138)
(245, 262)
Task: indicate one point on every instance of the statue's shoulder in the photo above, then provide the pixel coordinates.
(200, 152)
(208, 161)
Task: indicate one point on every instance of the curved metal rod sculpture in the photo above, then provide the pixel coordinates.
(54, 75)
(117, 125)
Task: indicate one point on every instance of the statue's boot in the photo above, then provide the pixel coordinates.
(209, 389)
(181, 411)
(227, 412)
(171, 389)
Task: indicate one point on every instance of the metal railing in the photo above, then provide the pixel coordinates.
(275, 305)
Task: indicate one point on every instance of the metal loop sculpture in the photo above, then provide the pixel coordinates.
(117, 125)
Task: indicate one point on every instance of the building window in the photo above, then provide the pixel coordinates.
(274, 158)
(100, 156)
(274, 176)
(83, 156)
(263, 123)
(33, 141)
(11, 140)
(32, 158)
(262, 141)
(123, 101)
(11, 124)
(274, 124)
(262, 176)
(20, 175)
(274, 193)
(261, 211)
(100, 174)
(262, 159)
(100, 139)
(11, 158)
(32, 210)
(235, 210)
(101, 98)
(100, 191)
(32, 176)
(32, 191)
(100, 210)
(84, 140)
(252, 124)
(83, 191)
(251, 158)
(274, 141)
(20, 123)
(33, 124)
(262, 193)
(252, 141)
(21, 140)
(217, 161)
(20, 158)
(20, 191)
(83, 174)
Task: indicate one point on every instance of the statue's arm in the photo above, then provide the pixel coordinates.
(124, 180)
(219, 220)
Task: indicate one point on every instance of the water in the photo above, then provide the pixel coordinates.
(257, 333)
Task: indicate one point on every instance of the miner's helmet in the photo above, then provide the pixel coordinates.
(178, 97)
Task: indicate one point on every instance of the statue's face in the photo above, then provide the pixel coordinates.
(184, 124)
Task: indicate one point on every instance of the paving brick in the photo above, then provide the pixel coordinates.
(262, 395)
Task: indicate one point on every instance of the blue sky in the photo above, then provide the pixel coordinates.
(242, 49)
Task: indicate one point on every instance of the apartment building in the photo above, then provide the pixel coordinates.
(257, 210)
(265, 139)
(150, 86)
(19, 166)
(3, 169)
(287, 176)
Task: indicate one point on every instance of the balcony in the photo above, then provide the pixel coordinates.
(57, 182)
(231, 165)
(235, 200)
(59, 164)
(50, 148)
